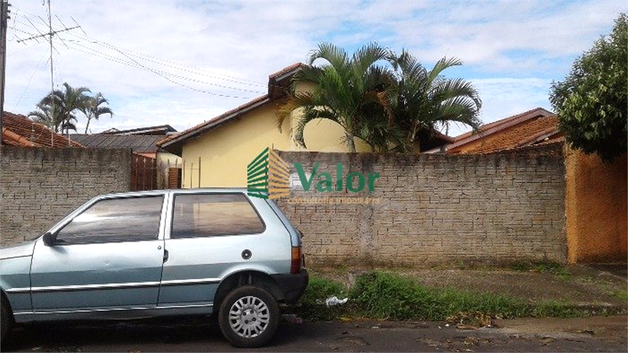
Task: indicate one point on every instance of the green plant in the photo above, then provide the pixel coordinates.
(313, 300)
(553, 268)
(591, 101)
(622, 294)
(319, 289)
(520, 266)
(388, 296)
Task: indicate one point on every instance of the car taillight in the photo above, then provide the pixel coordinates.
(295, 260)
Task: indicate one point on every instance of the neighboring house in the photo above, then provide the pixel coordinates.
(534, 127)
(20, 131)
(595, 197)
(149, 158)
(142, 145)
(150, 130)
(216, 152)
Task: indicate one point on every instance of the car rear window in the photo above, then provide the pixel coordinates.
(206, 215)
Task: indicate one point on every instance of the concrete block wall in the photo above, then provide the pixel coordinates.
(432, 209)
(40, 186)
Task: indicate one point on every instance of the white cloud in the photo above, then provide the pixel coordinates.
(511, 49)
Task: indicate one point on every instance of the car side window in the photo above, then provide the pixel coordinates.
(115, 220)
(206, 215)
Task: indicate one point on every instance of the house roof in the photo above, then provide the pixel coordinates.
(277, 83)
(529, 128)
(18, 130)
(150, 130)
(137, 143)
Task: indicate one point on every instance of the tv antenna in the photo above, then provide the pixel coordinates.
(50, 35)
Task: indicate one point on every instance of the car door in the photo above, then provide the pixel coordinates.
(208, 235)
(109, 256)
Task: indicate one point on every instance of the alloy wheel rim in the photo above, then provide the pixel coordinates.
(249, 317)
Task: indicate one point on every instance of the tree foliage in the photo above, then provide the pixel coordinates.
(94, 107)
(58, 110)
(422, 100)
(345, 89)
(383, 98)
(592, 100)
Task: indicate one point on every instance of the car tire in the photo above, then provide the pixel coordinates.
(249, 317)
(6, 320)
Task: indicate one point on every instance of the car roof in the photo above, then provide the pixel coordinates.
(177, 191)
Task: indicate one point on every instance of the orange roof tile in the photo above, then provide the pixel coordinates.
(18, 130)
(529, 128)
(518, 136)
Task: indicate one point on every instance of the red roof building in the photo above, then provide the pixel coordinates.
(18, 130)
(534, 127)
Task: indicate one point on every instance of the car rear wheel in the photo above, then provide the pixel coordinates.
(6, 319)
(249, 317)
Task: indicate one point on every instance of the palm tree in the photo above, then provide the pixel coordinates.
(46, 117)
(93, 110)
(421, 100)
(344, 90)
(65, 103)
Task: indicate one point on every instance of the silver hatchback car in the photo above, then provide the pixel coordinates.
(157, 253)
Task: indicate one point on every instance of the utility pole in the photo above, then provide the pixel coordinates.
(4, 15)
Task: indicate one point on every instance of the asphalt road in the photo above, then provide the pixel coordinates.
(198, 334)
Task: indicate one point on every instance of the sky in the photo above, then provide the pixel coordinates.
(185, 62)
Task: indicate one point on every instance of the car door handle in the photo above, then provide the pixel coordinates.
(166, 255)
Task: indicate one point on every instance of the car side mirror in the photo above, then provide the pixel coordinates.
(49, 239)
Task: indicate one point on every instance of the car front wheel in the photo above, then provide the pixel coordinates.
(249, 317)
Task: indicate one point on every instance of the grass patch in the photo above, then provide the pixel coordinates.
(388, 296)
(622, 295)
(543, 267)
(382, 295)
(319, 289)
(313, 305)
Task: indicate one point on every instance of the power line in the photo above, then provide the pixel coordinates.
(134, 64)
(163, 75)
(135, 59)
(30, 80)
(157, 61)
(171, 64)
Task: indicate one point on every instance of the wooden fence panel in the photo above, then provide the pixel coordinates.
(143, 173)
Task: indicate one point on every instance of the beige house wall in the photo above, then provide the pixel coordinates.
(218, 158)
(596, 208)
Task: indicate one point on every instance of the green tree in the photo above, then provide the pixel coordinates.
(343, 90)
(93, 108)
(592, 100)
(387, 105)
(46, 117)
(421, 100)
(66, 102)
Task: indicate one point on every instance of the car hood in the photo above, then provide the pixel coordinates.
(20, 250)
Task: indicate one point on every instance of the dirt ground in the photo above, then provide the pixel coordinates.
(579, 285)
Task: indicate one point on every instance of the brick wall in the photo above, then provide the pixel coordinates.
(39, 186)
(432, 209)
